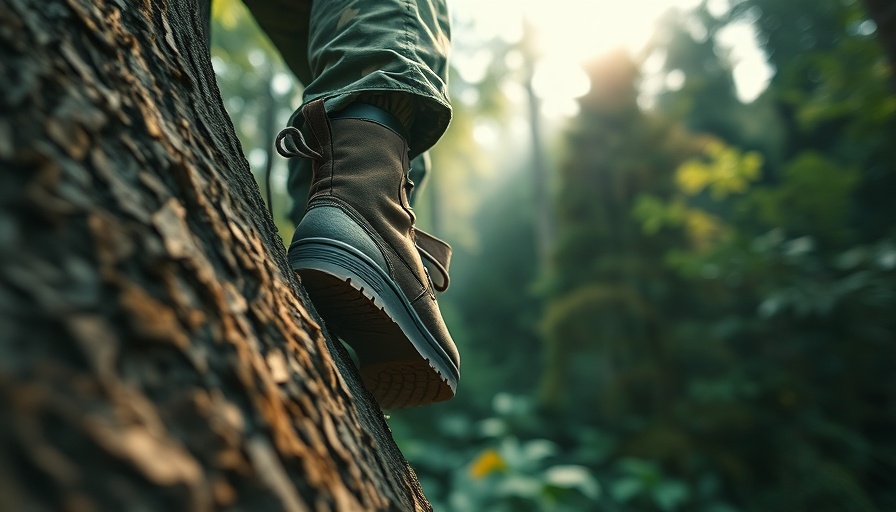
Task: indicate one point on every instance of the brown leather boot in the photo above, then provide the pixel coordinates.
(356, 253)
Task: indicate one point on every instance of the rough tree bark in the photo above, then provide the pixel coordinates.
(155, 350)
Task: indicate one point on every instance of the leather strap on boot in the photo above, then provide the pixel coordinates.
(436, 256)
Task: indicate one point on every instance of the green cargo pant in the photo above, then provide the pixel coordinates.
(343, 50)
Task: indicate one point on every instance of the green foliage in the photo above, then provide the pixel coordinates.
(517, 476)
(645, 480)
(733, 307)
(814, 196)
(247, 66)
(719, 173)
(502, 462)
(725, 172)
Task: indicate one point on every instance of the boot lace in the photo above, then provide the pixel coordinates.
(300, 147)
(297, 147)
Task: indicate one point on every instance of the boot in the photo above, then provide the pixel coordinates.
(357, 254)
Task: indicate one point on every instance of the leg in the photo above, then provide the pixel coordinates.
(377, 96)
(391, 53)
(364, 48)
(286, 22)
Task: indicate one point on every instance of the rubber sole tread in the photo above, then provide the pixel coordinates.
(391, 368)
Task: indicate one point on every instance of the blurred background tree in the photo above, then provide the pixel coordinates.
(713, 328)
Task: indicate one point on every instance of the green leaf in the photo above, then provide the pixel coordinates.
(573, 477)
(626, 488)
(670, 494)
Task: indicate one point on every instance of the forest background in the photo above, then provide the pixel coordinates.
(674, 279)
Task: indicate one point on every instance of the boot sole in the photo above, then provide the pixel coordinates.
(401, 363)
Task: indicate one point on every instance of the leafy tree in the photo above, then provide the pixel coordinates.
(794, 269)
(603, 299)
(724, 311)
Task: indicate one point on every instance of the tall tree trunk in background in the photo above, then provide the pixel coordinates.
(544, 209)
(155, 353)
(883, 12)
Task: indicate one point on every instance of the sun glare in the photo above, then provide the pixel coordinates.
(570, 33)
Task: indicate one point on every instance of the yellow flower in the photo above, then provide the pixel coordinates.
(488, 462)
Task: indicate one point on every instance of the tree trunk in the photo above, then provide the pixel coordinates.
(883, 12)
(156, 352)
(544, 209)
